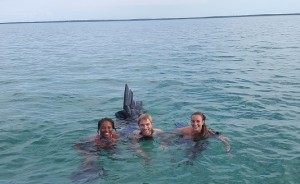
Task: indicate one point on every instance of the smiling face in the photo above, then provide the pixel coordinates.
(106, 129)
(145, 127)
(197, 123)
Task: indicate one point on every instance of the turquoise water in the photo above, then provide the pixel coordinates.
(58, 79)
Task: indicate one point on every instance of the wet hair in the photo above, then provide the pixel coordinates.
(106, 119)
(144, 116)
(200, 114)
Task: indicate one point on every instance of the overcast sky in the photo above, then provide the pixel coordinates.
(48, 10)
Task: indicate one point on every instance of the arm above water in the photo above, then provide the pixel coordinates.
(224, 140)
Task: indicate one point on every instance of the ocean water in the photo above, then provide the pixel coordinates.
(58, 79)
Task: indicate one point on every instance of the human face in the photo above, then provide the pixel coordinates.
(145, 127)
(197, 123)
(106, 129)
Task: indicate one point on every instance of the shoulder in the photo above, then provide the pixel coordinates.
(185, 130)
(116, 136)
(135, 134)
(157, 131)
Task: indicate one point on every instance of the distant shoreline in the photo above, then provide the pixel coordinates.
(148, 19)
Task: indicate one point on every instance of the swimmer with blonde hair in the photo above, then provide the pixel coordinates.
(145, 132)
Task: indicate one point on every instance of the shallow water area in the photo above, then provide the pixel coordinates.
(58, 79)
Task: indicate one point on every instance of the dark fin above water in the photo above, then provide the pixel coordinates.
(131, 109)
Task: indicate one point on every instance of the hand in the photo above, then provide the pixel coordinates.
(230, 155)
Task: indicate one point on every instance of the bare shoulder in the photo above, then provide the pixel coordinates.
(116, 136)
(158, 131)
(135, 134)
(185, 130)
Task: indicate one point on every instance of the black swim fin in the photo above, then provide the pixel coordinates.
(131, 109)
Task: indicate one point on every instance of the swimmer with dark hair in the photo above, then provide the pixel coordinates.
(91, 148)
(106, 138)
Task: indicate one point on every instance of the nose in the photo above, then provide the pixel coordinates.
(144, 126)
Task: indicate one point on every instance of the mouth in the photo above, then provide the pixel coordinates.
(146, 132)
(196, 127)
(107, 134)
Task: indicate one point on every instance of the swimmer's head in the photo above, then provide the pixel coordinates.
(200, 114)
(144, 116)
(101, 121)
(198, 121)
(105, 128)
(145, 124)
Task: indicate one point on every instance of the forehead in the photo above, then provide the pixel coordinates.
(144, 121)
(106, 123)
(197, 117)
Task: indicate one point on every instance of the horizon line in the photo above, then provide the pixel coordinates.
(150, 19)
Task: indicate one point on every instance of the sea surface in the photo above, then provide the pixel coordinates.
(58, 79)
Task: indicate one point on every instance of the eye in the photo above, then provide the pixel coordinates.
(196, 121)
